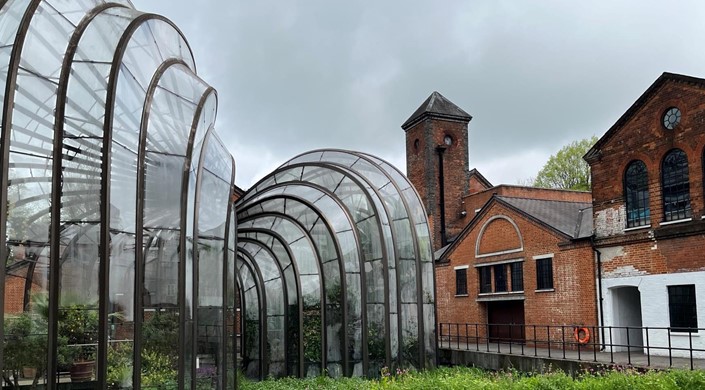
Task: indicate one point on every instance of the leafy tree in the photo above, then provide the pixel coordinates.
(567, 169)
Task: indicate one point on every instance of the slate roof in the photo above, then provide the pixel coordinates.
(439, 253)
(437, 106)
(573, 219)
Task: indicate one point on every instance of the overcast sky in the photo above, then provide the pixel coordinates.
(299, 75)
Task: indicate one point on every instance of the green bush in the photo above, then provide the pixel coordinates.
(472, 378)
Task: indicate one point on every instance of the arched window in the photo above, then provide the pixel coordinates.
(636, 188)
(675, 186)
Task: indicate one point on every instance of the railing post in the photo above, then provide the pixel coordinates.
(511, 337)
(594, 343)
(629, 348)
(536, 342)
(548, 339)
(648, 349)
(487, 336)
(670, 352)
(690, 340)
(563, 339)
(477, 337)
(522, 332)
(611, 346)
(467, 337)
(457, 334)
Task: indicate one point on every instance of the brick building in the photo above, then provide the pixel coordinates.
(649, 212)
(504, 254)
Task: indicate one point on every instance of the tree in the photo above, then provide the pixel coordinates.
(567, 169)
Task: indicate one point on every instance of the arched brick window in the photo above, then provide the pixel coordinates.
(636, 192)
(675, 186)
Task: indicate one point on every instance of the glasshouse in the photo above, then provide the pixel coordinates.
(128, 262)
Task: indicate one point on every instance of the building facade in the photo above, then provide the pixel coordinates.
(649, 212)
(506, 256)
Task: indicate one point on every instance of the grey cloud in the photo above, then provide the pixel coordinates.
(298, 75)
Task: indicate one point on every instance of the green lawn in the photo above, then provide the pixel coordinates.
(470, 378)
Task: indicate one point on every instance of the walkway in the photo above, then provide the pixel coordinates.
(582, 355)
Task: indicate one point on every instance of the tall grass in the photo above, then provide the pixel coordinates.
(472, 378)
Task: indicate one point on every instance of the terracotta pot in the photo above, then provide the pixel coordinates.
(82, 371)
(29, 372)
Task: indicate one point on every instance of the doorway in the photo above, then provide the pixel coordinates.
(506, 321)
(626, 314)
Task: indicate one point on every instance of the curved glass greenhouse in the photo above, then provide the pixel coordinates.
(335, 267)
(125, 266)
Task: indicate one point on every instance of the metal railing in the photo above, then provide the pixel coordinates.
(608, 344)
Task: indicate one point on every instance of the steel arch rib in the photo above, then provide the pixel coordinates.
(55, 227)
(334, 239)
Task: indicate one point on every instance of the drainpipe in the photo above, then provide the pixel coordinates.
(441, 182)
(599, 294)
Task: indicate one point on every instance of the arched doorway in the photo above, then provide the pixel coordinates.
(627, 333)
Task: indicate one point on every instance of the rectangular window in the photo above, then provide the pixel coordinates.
(681, 308)
(517, 270)
(500, 278)
(544, 273)
(485, 280)
(461, 281)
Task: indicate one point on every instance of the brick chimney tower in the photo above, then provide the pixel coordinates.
(437, 163)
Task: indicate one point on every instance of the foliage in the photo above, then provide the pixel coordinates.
(312, 337)
(159, 357)
(25, 345)
(158, 371)
(206, 378)
(376, 346)
(119, 365)
(567, 169)
(79, 324)
(160, 332)
(472, 378)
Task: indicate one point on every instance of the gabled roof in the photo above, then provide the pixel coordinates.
(638, 104)
(439, 107)
(480, 178)
(573, 220)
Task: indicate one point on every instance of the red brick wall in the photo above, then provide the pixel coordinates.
(475, 185)
(572, 302)
(660, 248)
(422, 170)
(499, 235)
(14, 294)
(644, 138)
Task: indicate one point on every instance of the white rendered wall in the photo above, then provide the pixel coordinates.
(654, 312)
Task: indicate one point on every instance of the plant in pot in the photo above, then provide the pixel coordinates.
(25, 348)
(78, 323)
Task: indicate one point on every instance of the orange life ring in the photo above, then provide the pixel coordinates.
(585, 338)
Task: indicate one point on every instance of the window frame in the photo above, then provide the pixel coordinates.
(501, 284)
(486, 271)
(675, 309)
(541, 276)
(637, 200)
(517, 287)
(462, 270)
(677, 190)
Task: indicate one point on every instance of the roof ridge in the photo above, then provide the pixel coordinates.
(544, 200)
(437, 105)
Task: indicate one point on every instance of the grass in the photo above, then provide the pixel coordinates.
(472, 378)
